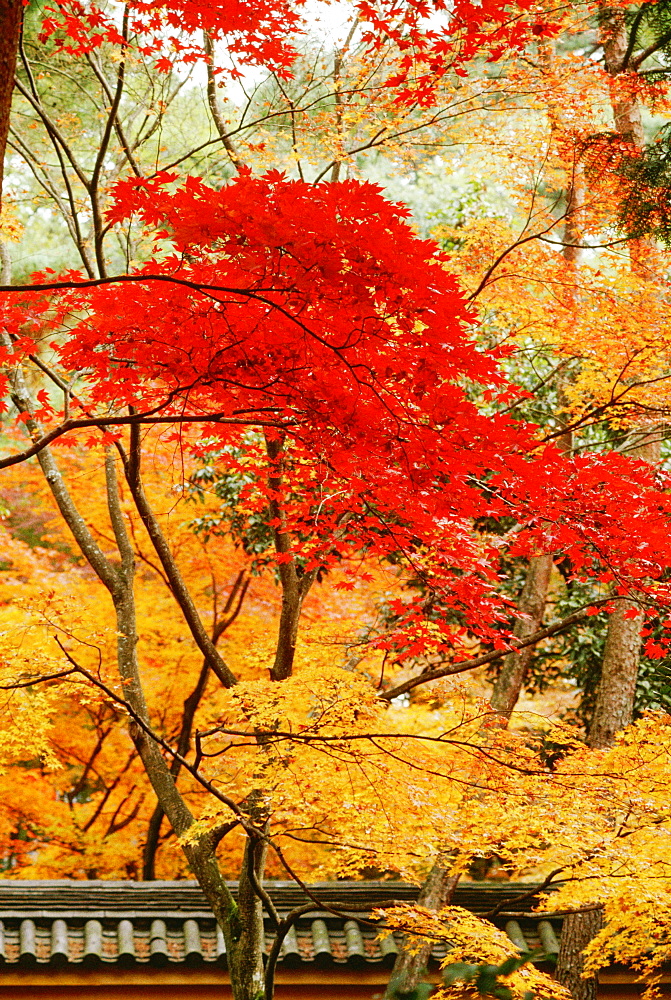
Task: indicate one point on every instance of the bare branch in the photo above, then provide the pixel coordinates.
(459, 668)
(72, 425)
(38, 680)
(215, 107)
(177, 586)
(151, 734)
(522, 898)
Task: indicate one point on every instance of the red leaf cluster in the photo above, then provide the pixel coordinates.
(318, 309)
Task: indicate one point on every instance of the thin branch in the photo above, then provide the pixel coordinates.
(108, 792)
(118, 124)
(258, 888)
(38, 680)
(523, 896)
(94, 555)
(502, 256)
(655, 46)
(71, 425)
(190, 707)
(458, 668)
(177, 586)
(44, 179)
(102, 153)
(148, 731)
(53, 132)
(215, 107)
(201, 287)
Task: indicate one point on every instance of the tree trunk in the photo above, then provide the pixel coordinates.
(624, 105)
(295, 584)
(615, 695)
(242, 921)
(409, 967)
(531, 606)
(577, 931)
(246, 962)
(619, 672)
(613, 711)
(11, 12)
(440, 884)
(533, 598)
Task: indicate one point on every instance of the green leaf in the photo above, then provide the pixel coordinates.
(485, 982)
(502, 992)
(459, 971)
(421, 992)
(487, 976)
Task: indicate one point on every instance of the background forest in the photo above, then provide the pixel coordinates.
(334, 478)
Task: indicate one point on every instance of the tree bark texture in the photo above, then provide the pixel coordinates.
(436, 893)
(247, 959)
(577, 931)
(230, 612)
(11, 13)
(295, 586)
(615, 695)
(531, 606)
(439, 887)
(619, 672)
(154, 827)
(625, 107)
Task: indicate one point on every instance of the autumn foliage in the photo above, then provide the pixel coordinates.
(274, 461)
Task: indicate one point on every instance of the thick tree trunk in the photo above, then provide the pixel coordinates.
(11, 12)
(619, 668)
(577, 931)
(619, 672)
(625, 107)
(241, 921)
(531, 606)
(246, 962)
(410, 967)
(154, 827)
(613, 711)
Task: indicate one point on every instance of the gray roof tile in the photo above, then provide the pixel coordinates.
(163, 924)
(93, 943)
(158, 944)
(27, 943)
(59, 943)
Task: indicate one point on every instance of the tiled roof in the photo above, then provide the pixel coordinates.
(168, 924)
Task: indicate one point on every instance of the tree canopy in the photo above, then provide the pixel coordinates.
(334, 391)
